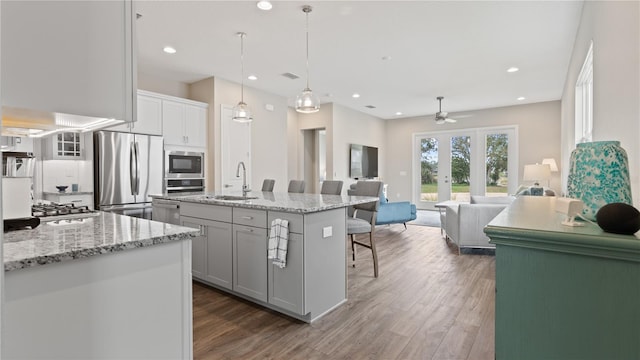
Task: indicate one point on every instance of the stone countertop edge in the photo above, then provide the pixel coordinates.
(68, 193)
(102, 234)
(285, 202)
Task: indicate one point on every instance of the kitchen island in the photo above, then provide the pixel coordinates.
(105, 286)
(232, 253)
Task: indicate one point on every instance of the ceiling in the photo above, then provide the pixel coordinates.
(398, 55)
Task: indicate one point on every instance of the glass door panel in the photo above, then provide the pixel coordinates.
(429, 170)
(497, 164)
(460, 168)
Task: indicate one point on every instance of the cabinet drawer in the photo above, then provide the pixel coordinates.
(250, 217)
(205, 211)
(295, 220)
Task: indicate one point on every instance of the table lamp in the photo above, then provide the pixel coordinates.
(535, 173)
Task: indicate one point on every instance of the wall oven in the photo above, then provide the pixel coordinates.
(184, 171)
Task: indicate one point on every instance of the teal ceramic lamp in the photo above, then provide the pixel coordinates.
(599, 175)
(537, 173)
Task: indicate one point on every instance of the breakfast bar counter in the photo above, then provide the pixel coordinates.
(105, 286)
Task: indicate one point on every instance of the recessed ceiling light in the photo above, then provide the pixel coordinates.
(355, 95)
(264, 5)
(521, 98)
(398, 113)
(252, 77)
(512, 69)
(169, 50)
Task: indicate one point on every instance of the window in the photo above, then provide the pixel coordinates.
(584, 100)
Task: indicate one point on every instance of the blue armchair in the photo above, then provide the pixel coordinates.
(392, 212)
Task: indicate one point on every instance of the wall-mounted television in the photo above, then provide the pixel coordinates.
(364, 162)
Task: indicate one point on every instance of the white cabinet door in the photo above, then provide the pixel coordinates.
(195, 126)
(250, 261)
(149, 116)
(173, 114)
(71, 57)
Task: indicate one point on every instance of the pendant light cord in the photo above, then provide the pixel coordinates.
(242, 35)
(307, 11)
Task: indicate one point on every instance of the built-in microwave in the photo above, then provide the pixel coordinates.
(183, 165)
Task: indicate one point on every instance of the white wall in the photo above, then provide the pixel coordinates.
(353, 127)
(343, 127)
(539, 137)
(162, 86)
(614, 27)
(268, 133)
(203, 91)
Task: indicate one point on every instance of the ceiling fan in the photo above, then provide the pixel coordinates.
(441, 116)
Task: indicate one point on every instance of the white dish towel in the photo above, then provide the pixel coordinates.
(278, 242)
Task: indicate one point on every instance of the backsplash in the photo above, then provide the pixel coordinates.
(67, 172)
(50, 173)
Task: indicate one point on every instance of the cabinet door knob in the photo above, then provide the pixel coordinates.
(248, 217)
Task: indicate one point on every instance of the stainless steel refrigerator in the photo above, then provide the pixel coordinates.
(127, 169)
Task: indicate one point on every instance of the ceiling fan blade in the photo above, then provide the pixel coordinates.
(449, 120)
(440, 121)
(462, 116)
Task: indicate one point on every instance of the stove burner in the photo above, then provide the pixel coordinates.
(55, 209)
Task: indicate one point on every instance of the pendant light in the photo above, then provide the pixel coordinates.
(306, 102)
(241, 112)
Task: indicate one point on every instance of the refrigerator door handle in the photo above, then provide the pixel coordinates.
(132, 169)
(137, 168)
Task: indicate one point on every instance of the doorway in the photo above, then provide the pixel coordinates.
(314, 159)
(453, 165)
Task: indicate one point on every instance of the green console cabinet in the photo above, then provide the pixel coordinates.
(563, 292)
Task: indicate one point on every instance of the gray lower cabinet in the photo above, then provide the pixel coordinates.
(198, 248)
(212, 252)
(250, 261)
(232, 255)
(286, 288)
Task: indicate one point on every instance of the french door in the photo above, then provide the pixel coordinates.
(453, 165)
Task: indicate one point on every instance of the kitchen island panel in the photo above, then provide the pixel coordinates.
(325, 261)
(131, 304)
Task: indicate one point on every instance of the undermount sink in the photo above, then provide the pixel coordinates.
(232, 197)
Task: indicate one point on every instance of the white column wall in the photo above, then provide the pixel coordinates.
(614, 27)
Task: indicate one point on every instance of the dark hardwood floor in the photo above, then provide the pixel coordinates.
(428, 303)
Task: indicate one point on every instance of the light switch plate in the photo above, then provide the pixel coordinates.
(327, 231)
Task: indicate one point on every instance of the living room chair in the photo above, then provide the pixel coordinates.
(267, 185)
(364, 219)
(331, 187)
(296, 186)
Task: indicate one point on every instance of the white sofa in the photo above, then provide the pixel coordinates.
(465, 222)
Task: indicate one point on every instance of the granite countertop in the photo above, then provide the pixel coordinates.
(105, 233)
(274, 201)
(68, 193)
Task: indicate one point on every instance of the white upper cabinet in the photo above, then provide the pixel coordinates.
(173, 116)
(184, 123)
(149, 119)
(195, 125)
(149, 116)
(74, 57)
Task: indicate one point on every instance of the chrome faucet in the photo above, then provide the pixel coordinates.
(245, 188)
